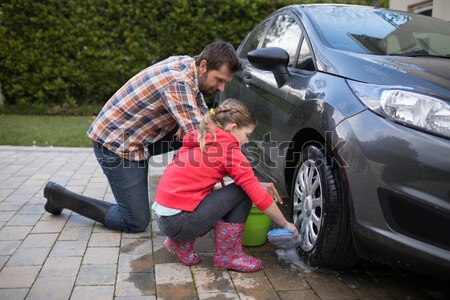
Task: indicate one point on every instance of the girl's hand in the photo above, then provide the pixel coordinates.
(270, 188)
(292, 227)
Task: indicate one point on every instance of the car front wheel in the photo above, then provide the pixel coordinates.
(320, 212)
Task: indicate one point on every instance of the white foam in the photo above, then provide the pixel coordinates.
(291, 257)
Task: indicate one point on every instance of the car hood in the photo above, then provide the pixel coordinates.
(425, 73)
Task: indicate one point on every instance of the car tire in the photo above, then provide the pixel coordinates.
(320, 212)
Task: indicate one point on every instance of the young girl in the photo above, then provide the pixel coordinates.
(187, 204)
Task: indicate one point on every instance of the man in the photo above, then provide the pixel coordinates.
(142, 119)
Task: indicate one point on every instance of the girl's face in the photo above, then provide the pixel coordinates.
(241, 133)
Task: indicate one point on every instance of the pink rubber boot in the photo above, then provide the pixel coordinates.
(229, 254)
(183, 250)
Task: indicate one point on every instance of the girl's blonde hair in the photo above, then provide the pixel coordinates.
(229, 111)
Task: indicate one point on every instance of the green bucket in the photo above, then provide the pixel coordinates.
(256, 228)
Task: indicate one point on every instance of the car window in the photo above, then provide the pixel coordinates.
(284, 33)
(305, 60)
(253, 40)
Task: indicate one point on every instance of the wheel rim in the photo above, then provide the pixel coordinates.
(308, 204)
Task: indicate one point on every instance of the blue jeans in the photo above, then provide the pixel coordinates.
(229, 203)
(128, 181)
(129, 185)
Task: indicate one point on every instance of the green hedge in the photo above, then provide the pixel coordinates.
(59, 56)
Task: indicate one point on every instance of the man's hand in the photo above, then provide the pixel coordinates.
(179, 135)
(270, 188)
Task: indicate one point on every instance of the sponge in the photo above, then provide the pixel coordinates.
(283, 238)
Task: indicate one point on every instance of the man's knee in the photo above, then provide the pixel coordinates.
(138, 226)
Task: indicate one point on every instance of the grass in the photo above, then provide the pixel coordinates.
(58, 131)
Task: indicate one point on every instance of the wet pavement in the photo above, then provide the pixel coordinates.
(70, 257)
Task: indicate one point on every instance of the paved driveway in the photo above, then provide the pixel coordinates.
(70, 257)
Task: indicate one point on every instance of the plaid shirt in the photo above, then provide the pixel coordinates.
(148, 107)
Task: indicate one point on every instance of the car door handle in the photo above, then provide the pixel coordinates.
(247, 80)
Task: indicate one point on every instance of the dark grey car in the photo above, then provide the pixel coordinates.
(354, 125)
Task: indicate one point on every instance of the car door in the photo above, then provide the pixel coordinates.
(260, 91)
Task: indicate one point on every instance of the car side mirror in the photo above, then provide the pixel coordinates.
(272, 59)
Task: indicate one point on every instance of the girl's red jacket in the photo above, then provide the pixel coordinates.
(193, 174)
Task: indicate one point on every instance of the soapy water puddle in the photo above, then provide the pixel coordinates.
(291, 257)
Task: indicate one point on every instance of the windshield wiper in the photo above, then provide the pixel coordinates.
(412, 54)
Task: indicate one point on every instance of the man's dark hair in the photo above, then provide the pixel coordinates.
(218, 53)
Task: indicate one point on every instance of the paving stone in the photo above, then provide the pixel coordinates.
(99, 179)
(51, 288)
(69, 248)
(154, 223)
(105, 239)
(5, 192)
(31, 190)
(100, 228)
(92, 292)
(31, 209)
(18, 276)
(402, 288)
(41, 175)
(210, 280)
(101, 255)
(80, 181)
(40, 201)
(147, 234)
(253, 285)
(283, 276)
(61, 266)
(34, 182)
(136, 298)
(330, 288)
(75, 233)
(296, 295)
(136, 263)
(20, 220)
(48, 226)
(20, 197)
(3, 260)
(77, 220)
(160, 254)
(136, 246)
(219, 296)
(10, 206)
(174, 281)
(13, 294)
(55, 218)
(136, 284)
(364, 286)
(39, 240)
(97, 275)
(5, 216)
(28, 257)
(8, 247)
(14, 233)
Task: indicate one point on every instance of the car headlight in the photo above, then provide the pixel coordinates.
(405, 106)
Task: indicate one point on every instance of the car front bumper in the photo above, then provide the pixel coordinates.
(398, 182)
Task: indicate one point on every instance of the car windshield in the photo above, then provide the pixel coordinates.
(380, 32)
